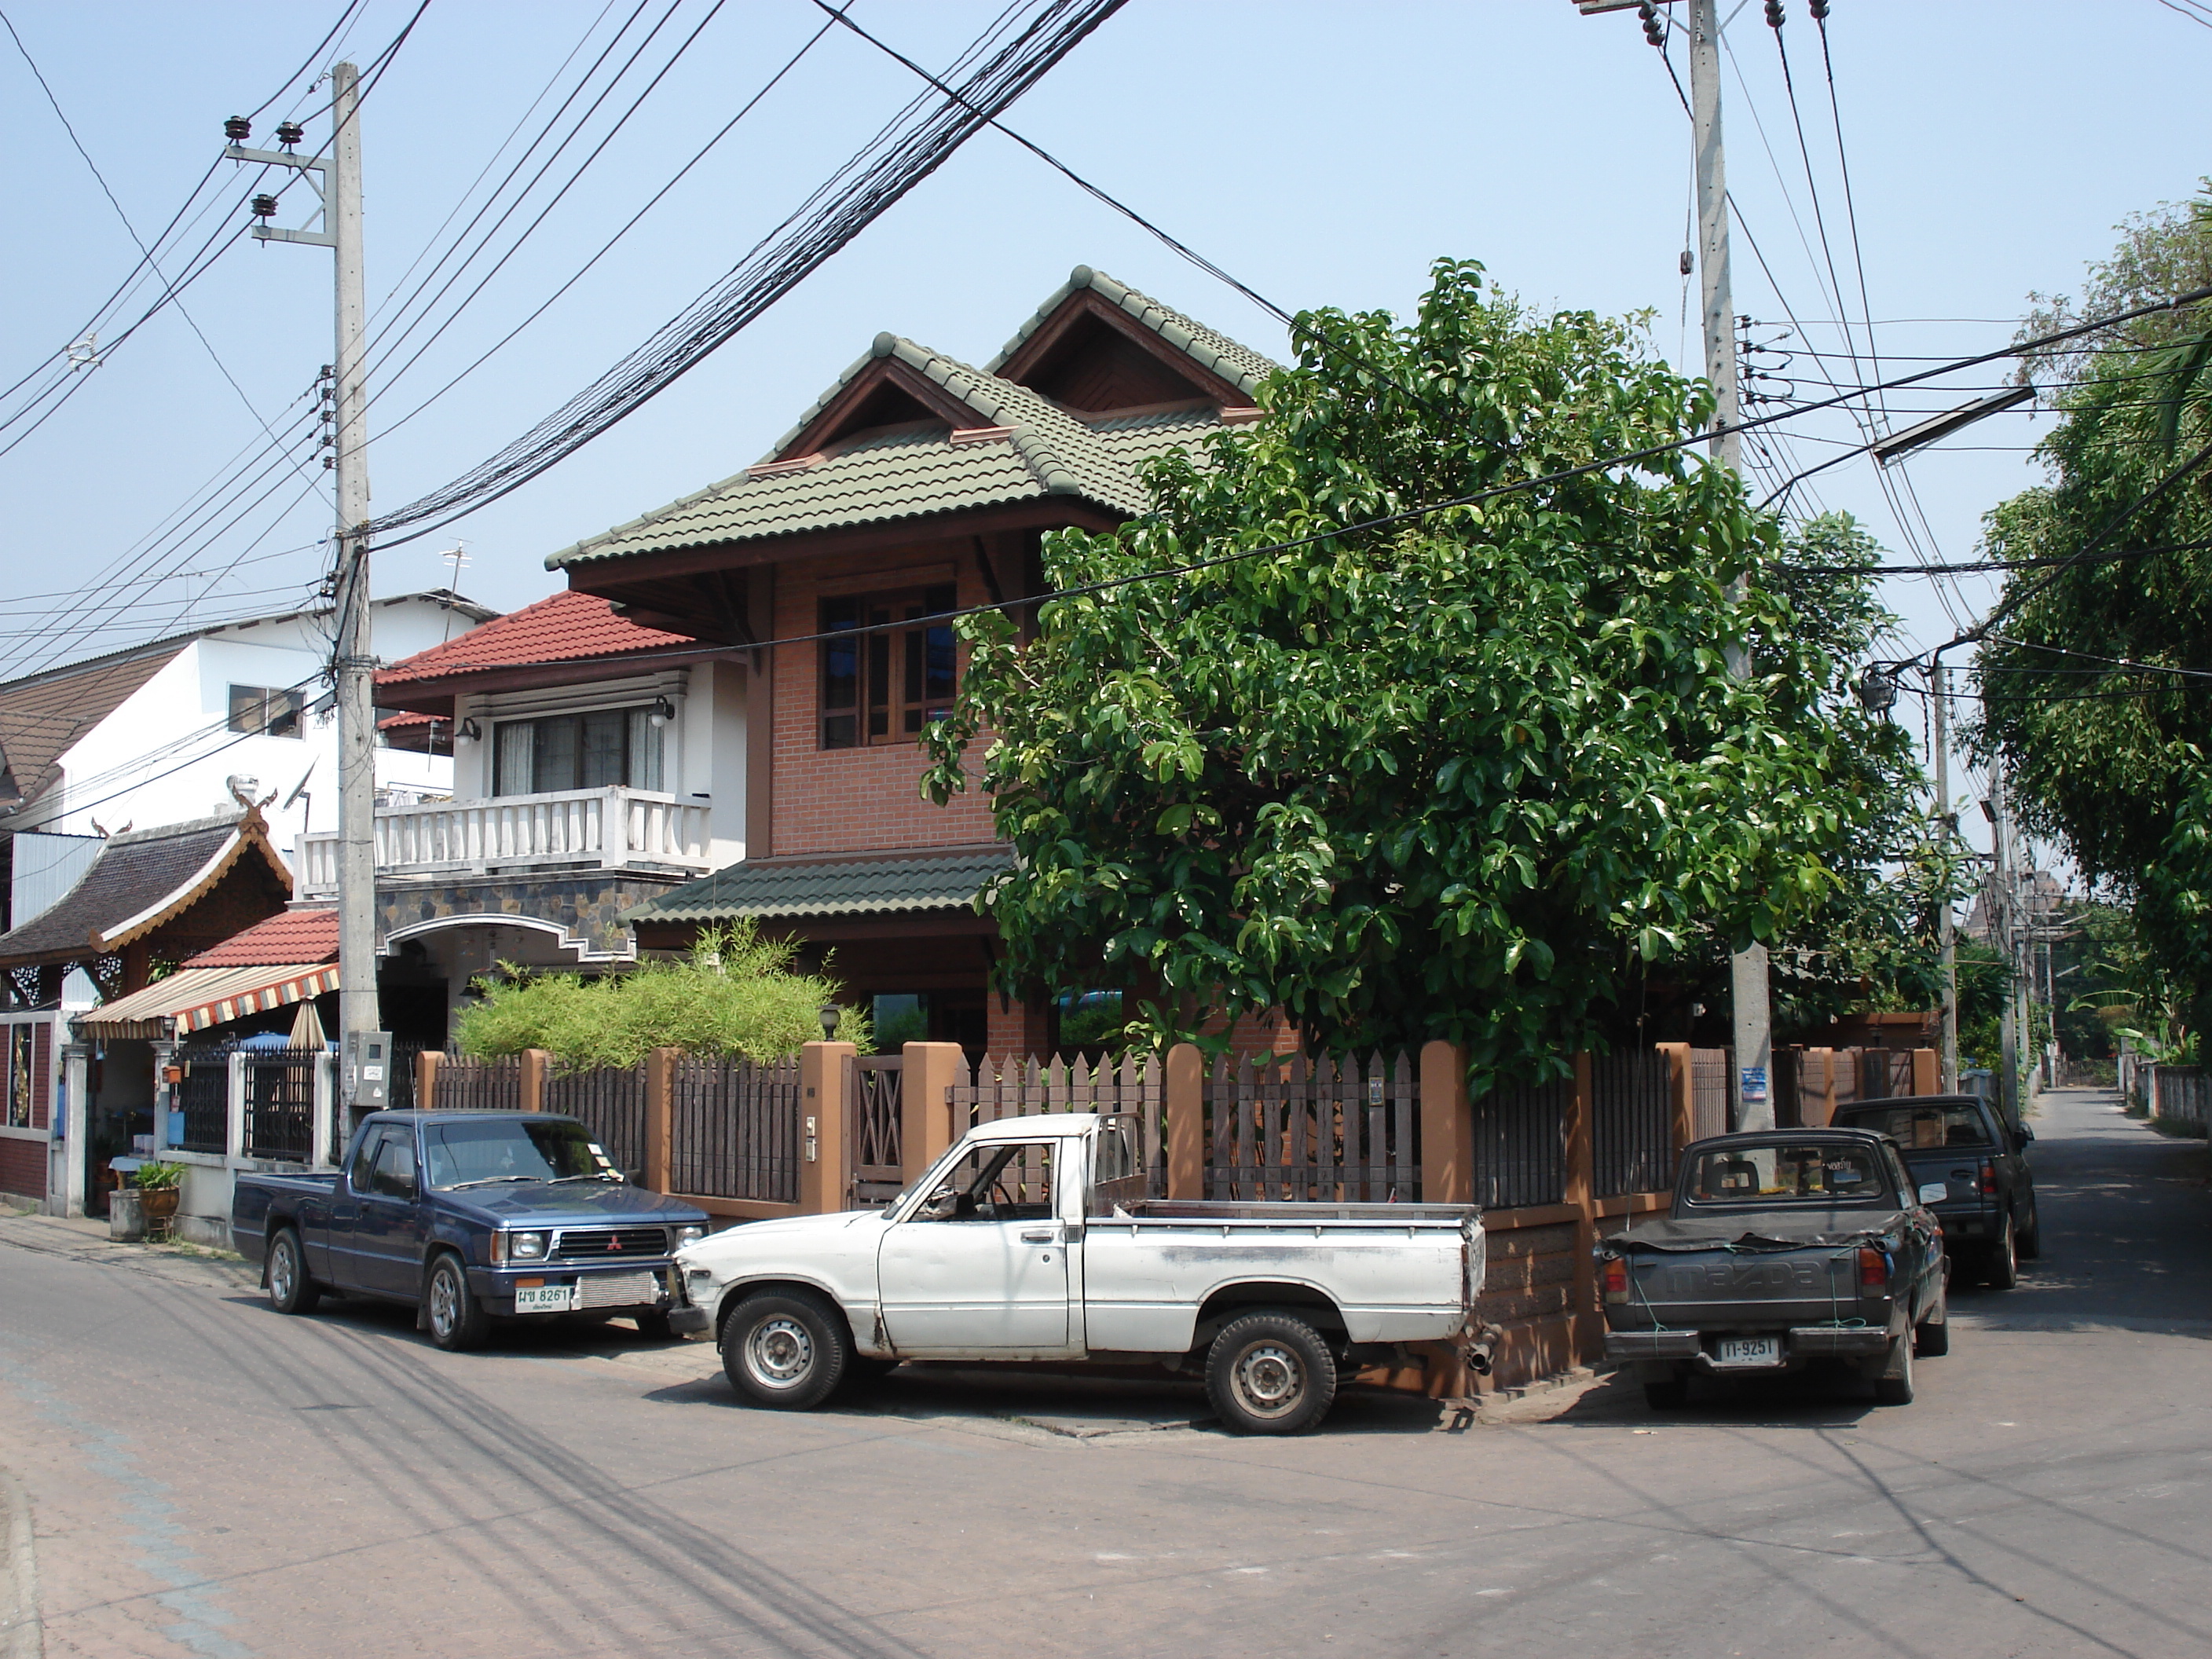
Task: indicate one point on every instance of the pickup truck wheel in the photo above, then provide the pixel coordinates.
(1894, 1385)
(1270, 1373)
(786, 1349)
(456, 1318)
(1670, 1396)
(2027, 1242)
(1931, 1337)
(2000, 1267)
(290, 1290)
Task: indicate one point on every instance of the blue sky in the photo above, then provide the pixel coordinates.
(1324, 155)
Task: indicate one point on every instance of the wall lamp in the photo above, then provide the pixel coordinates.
(468, 731)
(663, 712)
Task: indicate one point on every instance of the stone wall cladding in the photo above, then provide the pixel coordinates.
(587, 905)
(849, 800)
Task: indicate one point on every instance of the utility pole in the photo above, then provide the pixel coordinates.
(1946, 933)
(2002, 930)
(336, 176)
(1747, 969)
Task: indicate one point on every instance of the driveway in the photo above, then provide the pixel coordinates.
(209, 1478)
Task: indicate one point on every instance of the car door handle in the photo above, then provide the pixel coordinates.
(1038, 1236)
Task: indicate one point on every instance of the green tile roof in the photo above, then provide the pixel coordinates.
(830, 887)
(921, 470)
(1239, 365)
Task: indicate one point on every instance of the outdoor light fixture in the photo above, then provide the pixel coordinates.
(468, 731)
(238, 129)
(1887, 450)
(831, 1013)
(663, 712)
(1877, 690)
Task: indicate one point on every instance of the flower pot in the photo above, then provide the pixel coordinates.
(158, 1204)
(126, 1217)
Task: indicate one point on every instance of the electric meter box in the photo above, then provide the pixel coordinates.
(367, 1058)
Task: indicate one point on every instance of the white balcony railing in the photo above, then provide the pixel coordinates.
(609, 829)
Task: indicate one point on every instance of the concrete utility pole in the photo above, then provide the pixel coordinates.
(1946, 929)
(2002, 930)
(1747, 969)
(336, 176)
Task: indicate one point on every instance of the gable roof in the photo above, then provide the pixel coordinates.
(141, 880)
(44, 716)
(288, 937)
(562, 627)
(981, 439)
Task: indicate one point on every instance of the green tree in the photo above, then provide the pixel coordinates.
(735, 994)
(2096, 677)
(1449, 778)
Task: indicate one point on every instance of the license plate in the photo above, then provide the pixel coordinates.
(1747, 1350)
(544, 1298)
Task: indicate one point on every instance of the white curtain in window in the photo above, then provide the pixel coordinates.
(644, 751)
(517, 746)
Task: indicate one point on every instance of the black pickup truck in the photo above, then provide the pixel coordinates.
(1784, 1249)
(1961, 1143)
(468, 1216)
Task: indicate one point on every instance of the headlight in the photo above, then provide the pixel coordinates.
(689, 1236)
(526, 1247)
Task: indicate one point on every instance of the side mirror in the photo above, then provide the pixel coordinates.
(1933, 1192)
(2027, 1134)
(939, 1206)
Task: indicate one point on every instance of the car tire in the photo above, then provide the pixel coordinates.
(653, 1323)
(290, 1290)
(1893, 1385)
(2027, 1242)
(1270, 1373)
(1668, 1395)
(786, 1349)
(2001, 1266)
(456, 1320)
(1931, 1337)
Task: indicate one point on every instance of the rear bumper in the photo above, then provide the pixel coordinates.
(1800, 1344)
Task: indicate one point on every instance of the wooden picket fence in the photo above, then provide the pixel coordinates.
(733, 1129)
(1001, 1087)
(1290, 1128)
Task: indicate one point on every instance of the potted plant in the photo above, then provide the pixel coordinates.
(159, 1185)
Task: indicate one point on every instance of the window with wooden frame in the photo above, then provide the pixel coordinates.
(590, 751)
(884, 685)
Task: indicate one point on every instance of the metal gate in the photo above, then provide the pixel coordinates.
(873, 1117)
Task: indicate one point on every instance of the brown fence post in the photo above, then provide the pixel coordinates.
(822, 1152)
(1926, 1071)
(1581, 1186)
(1682, 1091)
(1447, 1126)
(531, 1083)
(426, 1079)
(926, 1071)
(659, 1113)
(1186, 1147)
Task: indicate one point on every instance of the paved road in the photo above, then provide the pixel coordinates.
(209, 1478)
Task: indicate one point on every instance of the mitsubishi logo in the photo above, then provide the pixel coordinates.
(614, 1241)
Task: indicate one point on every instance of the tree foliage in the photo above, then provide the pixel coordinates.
(733, 995)
(2106, 752)
(1451, 778)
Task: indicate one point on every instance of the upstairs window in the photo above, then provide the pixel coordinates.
(264, 709)
(595, 750)
(884, 686)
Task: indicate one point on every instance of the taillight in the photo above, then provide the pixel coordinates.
(1874, 1269)
(1615, 1280)
(1988, 1179)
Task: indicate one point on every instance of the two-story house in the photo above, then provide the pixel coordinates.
(916, 485)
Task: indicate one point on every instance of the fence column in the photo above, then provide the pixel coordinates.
(822, 1151)
(426, 1079)
(1588, 1327)
(1682, 1093)
(1186, 1104)
(1447, 1126)
(531, 1085)
(926, 1071)
(660, 1080)
(235, 1100)
(1927, 1076)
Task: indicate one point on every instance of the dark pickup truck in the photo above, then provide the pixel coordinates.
(1786, 1248)
(469, 1217)
(1964, 1145)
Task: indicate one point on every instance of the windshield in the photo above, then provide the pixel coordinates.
(463, 1153)
(1808, 1172)
(1918, 1128)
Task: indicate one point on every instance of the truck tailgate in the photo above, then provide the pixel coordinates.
(1721, 1289)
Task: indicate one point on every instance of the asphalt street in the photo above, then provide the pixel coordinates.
(203, 1476)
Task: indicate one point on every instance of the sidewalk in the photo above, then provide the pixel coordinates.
(82, 1238)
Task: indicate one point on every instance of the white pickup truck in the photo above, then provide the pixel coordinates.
(1032, 1240)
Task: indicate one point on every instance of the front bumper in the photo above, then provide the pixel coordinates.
(622, 1287)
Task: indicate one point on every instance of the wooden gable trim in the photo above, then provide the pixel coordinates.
(826, 428)
(252, 832)
(1085, 303)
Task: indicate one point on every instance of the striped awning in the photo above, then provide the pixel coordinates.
(193, 999)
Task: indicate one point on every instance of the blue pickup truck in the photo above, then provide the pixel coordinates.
(469, 1217)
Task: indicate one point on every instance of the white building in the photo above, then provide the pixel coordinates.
(155, 734)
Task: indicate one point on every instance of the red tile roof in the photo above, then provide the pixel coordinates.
(291, 937)
(565, 626)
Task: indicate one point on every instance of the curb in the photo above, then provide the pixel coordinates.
(22, 1630)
